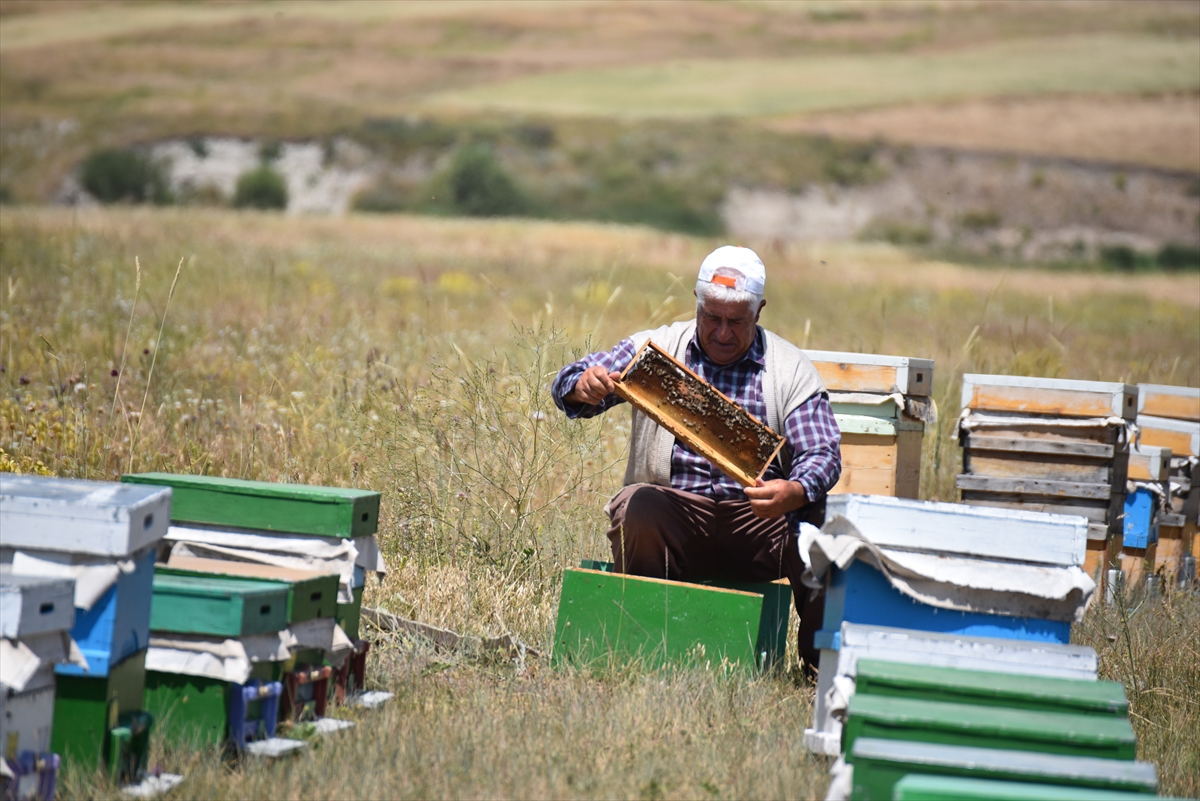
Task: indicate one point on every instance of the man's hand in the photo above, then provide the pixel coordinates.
(770, 499)
(594, 385)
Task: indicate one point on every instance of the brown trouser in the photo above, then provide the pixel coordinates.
(668, 533)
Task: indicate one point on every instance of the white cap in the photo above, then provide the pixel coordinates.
(744, 260)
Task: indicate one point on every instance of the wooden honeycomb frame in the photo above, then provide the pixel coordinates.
(711, 424)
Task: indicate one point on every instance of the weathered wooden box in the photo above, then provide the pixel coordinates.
(1051, 397)
(100, 518)
(881, 441)
(1177, 403)
(880, 763)
(1169, 417)
(310, 594)
(1050, 445)
(856, 643)
(711, 424)
(32, 605)
(289, 508)
(611, 617)
(921, 720)
(88, 708)
(985, 688)
(866, 372)
(218, 606)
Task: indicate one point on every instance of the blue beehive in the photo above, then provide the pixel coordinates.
(1141, 524)
(118, 624)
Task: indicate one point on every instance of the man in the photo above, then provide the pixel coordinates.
(679, 517)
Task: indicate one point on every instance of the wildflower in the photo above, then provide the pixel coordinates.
(114, 373)
(80, 387)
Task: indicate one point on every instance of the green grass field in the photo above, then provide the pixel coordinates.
(762, 87)
(411, 355)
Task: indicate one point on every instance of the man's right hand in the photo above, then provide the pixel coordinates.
(594, 385)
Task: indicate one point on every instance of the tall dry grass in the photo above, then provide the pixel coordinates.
(413, 356)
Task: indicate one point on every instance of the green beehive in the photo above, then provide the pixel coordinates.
(285, 508)
(88, 708)
(919, 720)
(217, 606)
(879, 765)
(980, 688)
(916, 787)
(604, 615)
(310, 595)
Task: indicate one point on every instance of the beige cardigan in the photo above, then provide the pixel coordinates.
(789, 379)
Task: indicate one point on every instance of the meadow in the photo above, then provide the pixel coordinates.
(412, 355)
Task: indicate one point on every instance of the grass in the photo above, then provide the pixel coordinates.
(762, 87)
(411, 355)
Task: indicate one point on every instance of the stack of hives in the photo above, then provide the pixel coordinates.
(36, 616)
(882, 405)
(946, 568)
(1169, 418)
(1050, 445)
(316, 543)
(103, 535)
(945, 663)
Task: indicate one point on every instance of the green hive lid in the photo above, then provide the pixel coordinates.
(918, 787)
(880, 764)
(217, 606)
(984, 688)
(310, 594)
(920, 720)
(266, 506)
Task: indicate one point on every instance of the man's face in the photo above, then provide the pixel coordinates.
(726, 330)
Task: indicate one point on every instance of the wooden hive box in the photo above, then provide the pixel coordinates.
(97, 518)
(866, 372)
(217, 606)
(32, 605)
(1050, 445)
(1177, 403)
(925, 648)
(1050, 397)
(287, 508)
(924, 721)
(310, 594)
(1179, 531)
(26, 719)
(88, 708)
(881, 442)
(606, 616)
(194, 712)
(879, 764)
(989, 688)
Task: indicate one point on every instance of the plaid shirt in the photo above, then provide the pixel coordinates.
(811, 429)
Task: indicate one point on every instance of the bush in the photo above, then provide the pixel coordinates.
(261, 188)
(1174, 256)
(981, 220)
(479, 186)
(116, 175)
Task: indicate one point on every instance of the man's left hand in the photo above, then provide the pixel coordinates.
(770, 499)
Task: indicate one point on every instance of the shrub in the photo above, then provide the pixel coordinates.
(981, 220)
(479, 186)
(1123, 257)
(270, 150)
(1175, 256)
(261, 188)
(116, 175)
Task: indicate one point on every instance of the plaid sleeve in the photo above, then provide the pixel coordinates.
(815, 438)
(614, 360)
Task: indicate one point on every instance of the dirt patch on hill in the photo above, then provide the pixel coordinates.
(1161, 131)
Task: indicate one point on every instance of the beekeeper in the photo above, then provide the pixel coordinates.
(678, 516)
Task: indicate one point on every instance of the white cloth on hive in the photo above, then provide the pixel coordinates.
(300, 552)
(988, 586)
(19, 662)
